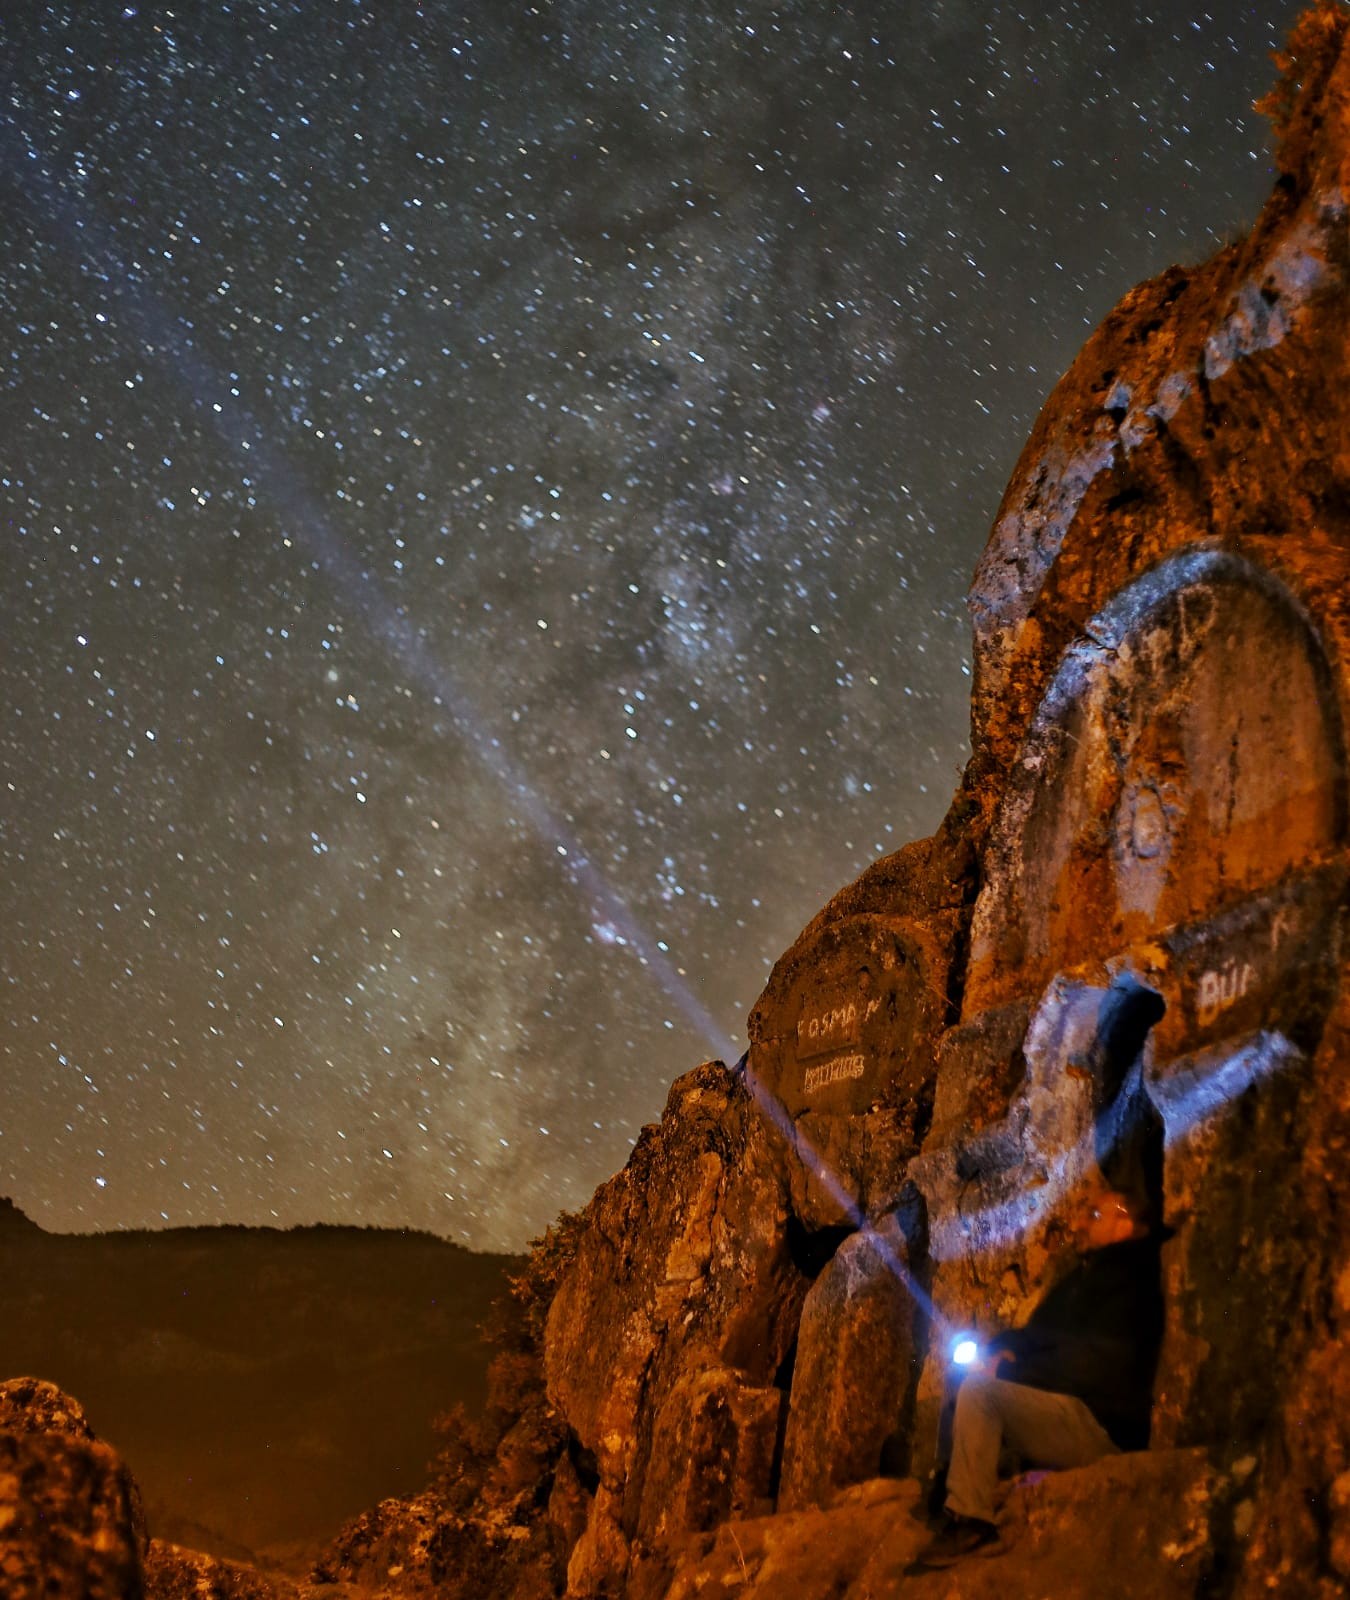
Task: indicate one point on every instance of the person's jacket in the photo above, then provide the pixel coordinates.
(1096, 1335)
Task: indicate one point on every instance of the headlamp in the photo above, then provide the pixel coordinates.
(965, 1350)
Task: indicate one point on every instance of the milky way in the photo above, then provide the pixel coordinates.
(489, 494)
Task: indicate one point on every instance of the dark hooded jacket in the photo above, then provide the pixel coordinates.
(1096, 1335)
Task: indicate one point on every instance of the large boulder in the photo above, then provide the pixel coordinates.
(683, 1266)
(32, 1405)
(72, 1524)
(713, 1449)
(856, 1363)
(842, 1039)
(67, 1520)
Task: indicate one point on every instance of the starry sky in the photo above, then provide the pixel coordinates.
(488, 496)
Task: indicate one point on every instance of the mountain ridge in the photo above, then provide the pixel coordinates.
(262, 1383)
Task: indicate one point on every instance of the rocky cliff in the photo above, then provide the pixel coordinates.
(1121, 951)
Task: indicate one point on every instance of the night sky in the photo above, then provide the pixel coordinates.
(489, 493)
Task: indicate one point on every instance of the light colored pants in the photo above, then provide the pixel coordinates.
(1047, 1430)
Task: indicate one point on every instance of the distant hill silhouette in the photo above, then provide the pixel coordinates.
(12, 1217)
(262, 1385)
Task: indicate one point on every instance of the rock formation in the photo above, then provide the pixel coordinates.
(1121, 950)
(71, 1526)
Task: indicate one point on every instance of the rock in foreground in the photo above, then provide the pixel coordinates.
(1137, 1527)
(70, 1527)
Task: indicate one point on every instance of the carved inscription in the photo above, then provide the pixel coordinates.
(832, 1028)
(1255, 964)
(1284, 924)
(1222, 988)
(828, 1072)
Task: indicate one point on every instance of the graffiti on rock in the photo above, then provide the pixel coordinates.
(836, 1071)
(832, 1027)
(1219, 989)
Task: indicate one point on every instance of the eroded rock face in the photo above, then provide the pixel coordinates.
(1164, 781)
(857, 1348)
(684, 1270)
(712, 1456)
(67, 1529)
(172, 1573)
(1161, 642)
(842, 1040)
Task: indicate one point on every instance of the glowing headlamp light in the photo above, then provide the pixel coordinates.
(965, 1350)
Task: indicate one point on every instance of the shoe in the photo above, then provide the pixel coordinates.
(956, 1538)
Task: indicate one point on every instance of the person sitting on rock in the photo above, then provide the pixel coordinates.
(1075, 1384)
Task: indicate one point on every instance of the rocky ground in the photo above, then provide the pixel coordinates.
(1136, 1527)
